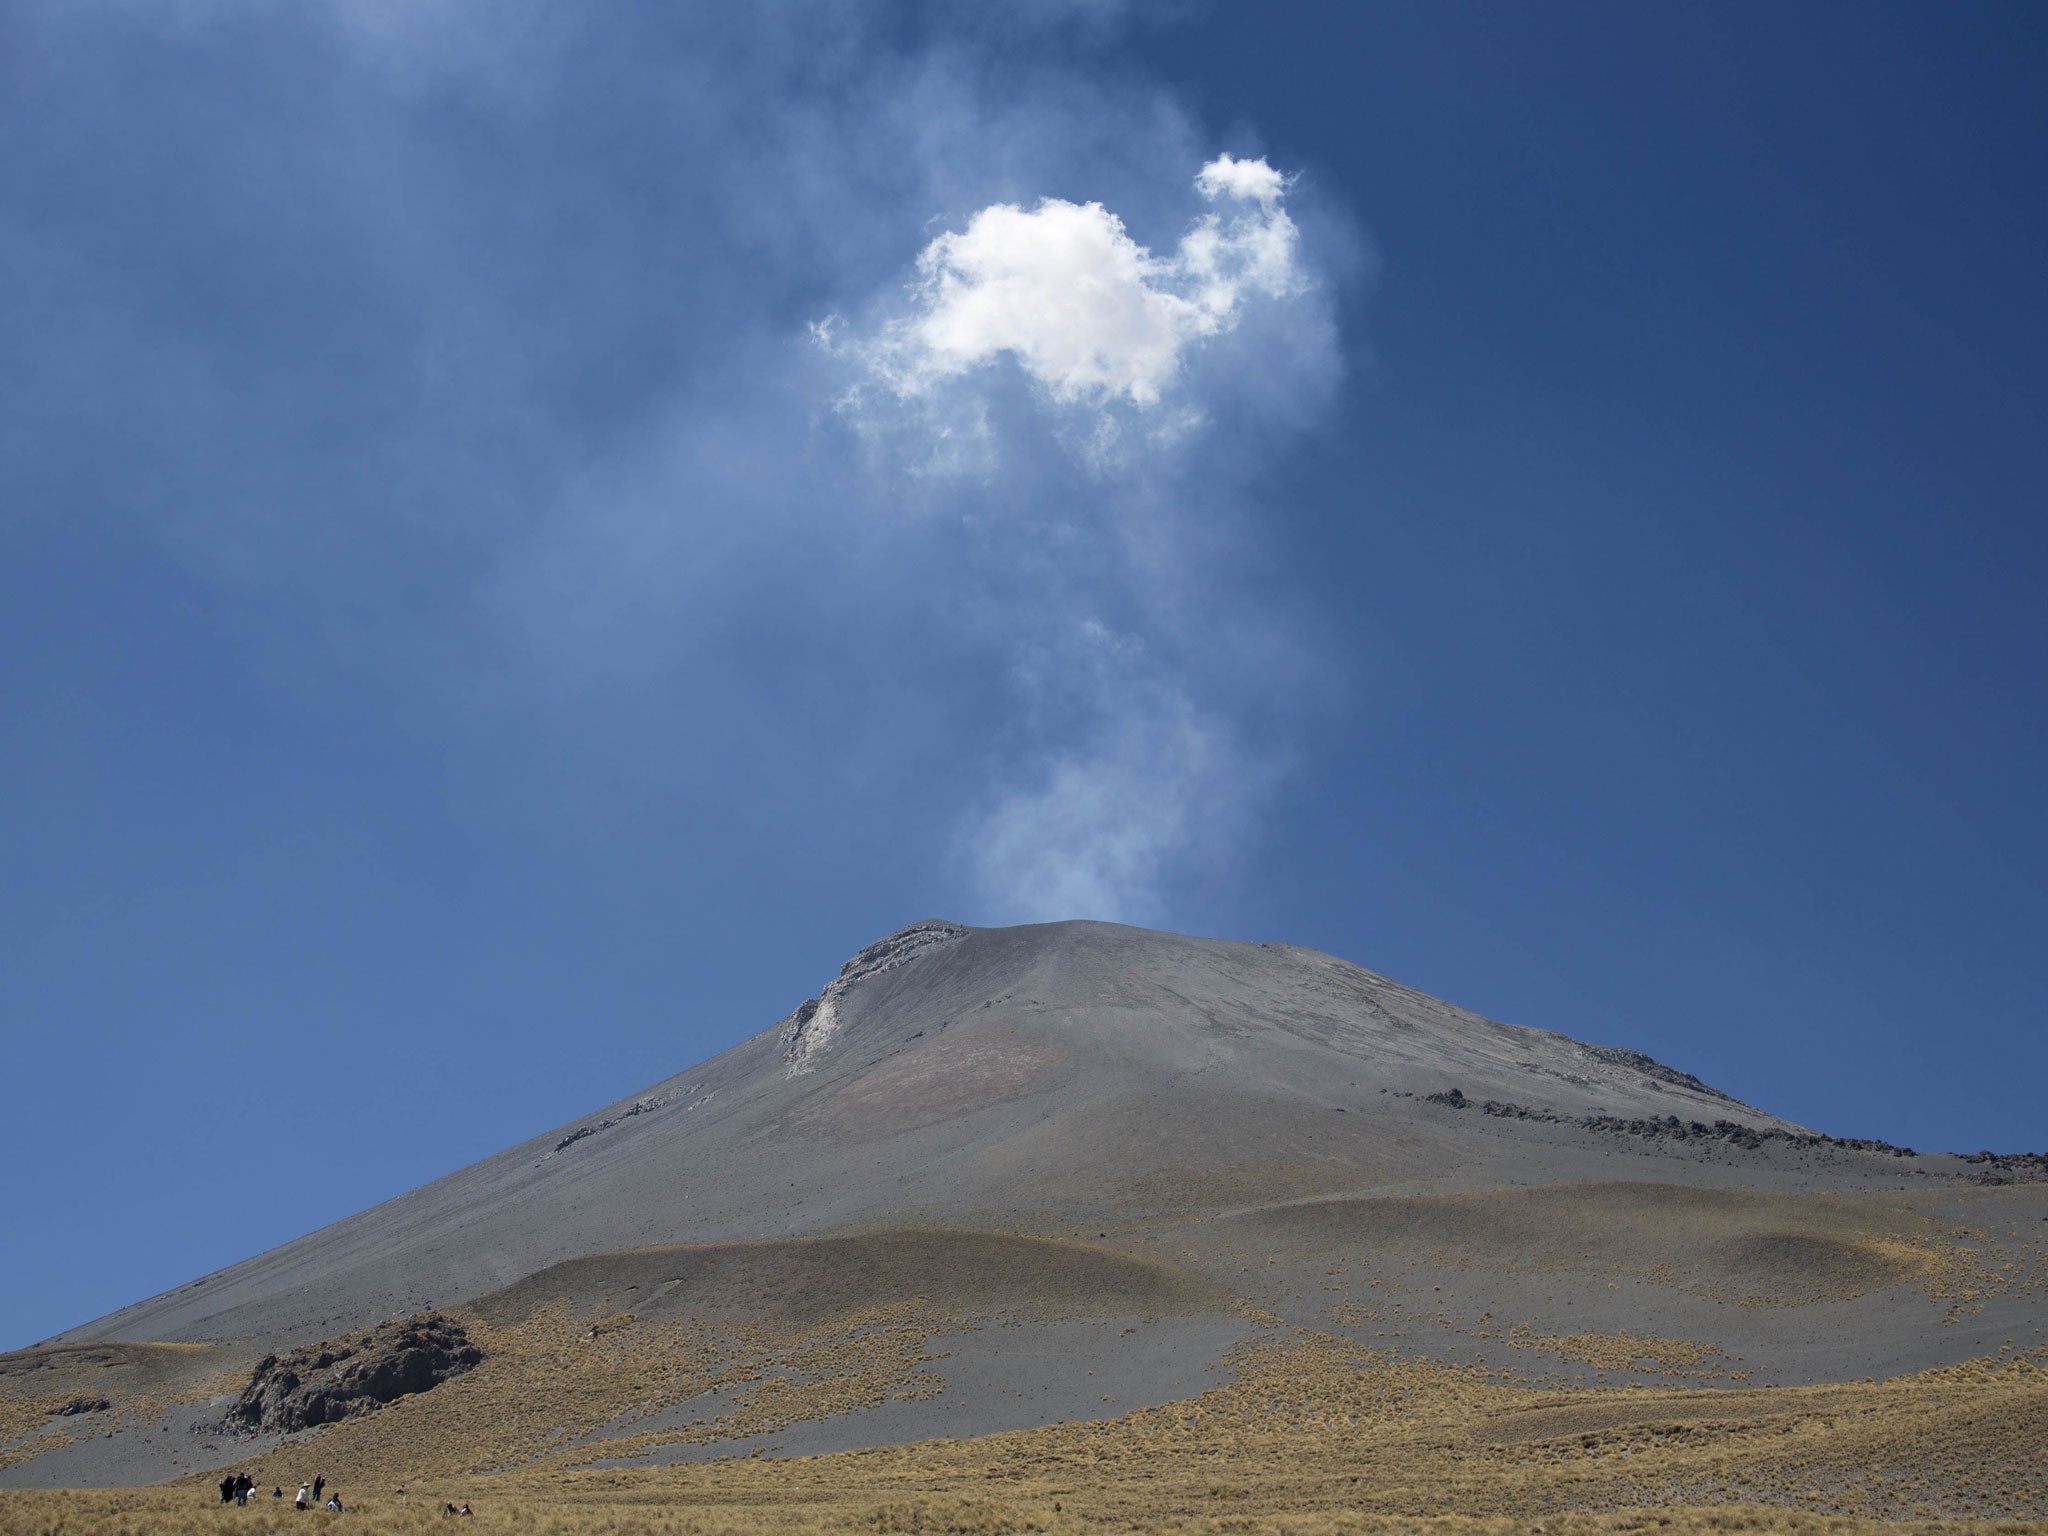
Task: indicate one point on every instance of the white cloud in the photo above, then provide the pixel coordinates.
(1086, 311)
(1228, 176)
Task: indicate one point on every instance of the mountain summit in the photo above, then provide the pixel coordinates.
(1056, 1075)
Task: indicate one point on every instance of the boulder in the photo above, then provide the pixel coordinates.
(341, 1378)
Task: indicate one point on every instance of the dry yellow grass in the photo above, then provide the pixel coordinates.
(1318, 1434)
(157, 1512)
(140, 1381)
(1318, 1425)
(552, 1379)
(1622, 1351)
(1752, 1248)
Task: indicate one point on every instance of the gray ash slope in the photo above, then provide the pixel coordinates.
(1049, 1077)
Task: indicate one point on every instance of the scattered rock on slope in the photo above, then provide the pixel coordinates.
(326, 1382)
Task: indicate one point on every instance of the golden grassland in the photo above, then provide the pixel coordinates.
(1317, 1434)
(551, 1381)
(1318, 1427)
(1749, 1248)
(140, 1381)
(159, 1513)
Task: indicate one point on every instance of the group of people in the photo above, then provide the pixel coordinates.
(240, 1488)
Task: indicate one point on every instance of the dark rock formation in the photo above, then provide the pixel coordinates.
(81, 1404)
(645, 1106)
(810, 1028)
(1997, 1167)
(340, 1378)
(1650, 1067)
(2010, 1167)
(1671, 1128)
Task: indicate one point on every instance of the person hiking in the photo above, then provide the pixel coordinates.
(319, 1482)
(227, 1490)
(305, 1498)
(334, 1504)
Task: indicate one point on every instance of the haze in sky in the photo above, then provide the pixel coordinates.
(530, 533)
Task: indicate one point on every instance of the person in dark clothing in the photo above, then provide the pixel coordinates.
(227, 1490)
(319, 1482)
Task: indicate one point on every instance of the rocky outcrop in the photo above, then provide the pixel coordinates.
(810, 1029)
(1671, 1128)
(2009, 1167)
(341, 1378)
(646, 1106)
(899, 948)
(1649, 1067)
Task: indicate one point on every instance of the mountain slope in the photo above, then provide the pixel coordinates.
(1052, 1075)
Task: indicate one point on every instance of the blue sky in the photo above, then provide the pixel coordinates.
(527, 534)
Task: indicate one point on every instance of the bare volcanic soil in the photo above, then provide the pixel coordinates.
(816, 1280)
(1754, 1248)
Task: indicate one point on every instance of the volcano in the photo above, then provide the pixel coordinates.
(1034, 1175)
